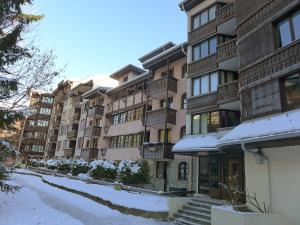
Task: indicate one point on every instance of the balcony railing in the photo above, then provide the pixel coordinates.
(69, 152)
(202, 103)
(203, 66)
(159, 87)
(97, 110)
(160, 116)
(92, 131)
(76, 99)
(72, 134)
(157, 151)
(89, 153)
(227, 50)
(61, 97)
(226, 13)
(202, 32)
(228, 92)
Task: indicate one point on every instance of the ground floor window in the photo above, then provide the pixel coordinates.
(292, 91)
(160, 169)
(183, 171)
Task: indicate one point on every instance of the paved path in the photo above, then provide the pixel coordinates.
(78, 207)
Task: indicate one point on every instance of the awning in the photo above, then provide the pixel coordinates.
(274, 127)
(196, 143)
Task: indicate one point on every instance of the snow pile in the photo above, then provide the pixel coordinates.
(129, 165)
(51, 163)
(107, 164)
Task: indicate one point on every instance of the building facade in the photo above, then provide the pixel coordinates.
(33, 140)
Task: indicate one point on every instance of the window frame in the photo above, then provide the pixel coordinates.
(209, 83)
(198, 45)
(199, 16)
(184, 176)
(284, 96)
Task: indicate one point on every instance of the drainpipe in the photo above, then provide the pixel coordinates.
(259, 153)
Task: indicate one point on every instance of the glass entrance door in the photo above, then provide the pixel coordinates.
(203, 183)
(214, 178)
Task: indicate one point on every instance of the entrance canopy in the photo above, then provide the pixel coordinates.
(275, 127)
(196, 143)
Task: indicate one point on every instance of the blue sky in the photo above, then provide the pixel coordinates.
(97, 37)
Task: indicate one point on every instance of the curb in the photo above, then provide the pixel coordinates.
(122, 209)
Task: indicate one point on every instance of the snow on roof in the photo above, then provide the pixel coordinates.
(196, 143)
(267, 128)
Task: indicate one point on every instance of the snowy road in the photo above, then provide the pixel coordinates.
(40, 204)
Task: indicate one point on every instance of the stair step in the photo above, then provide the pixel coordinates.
(196, 214)
(200, 204)
(194, 219)
(182, 221)
(208, 201)
(195, 208)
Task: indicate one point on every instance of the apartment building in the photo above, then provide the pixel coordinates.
(33, 139)
(91, 124)
(165, 118)
(124, 113)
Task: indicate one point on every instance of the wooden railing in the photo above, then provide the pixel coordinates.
(89, 153)
(279, 60)
(72, 134)
(160, 116)
(157, 151)
(226, 13)
(227, 50)
(92, 131)
(76, 99)
(202, 103)
(202, 32)
(160, 85)
(96, 110)
(202, 66)
(228, 92)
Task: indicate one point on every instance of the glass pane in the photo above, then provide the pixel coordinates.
(284, 33)
(204, 17)
(196, 22)
(204, 123)
(213, 46)
(212, 13)
(292, 87)
(232, 119)
(203, 172)
(214, 121)
(196, 53)
(204, 49)
(214, 81)
(162, 135)
(196, 87)
(296, 24)
(196, 124)
(205, 84)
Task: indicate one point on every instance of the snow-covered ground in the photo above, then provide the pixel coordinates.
(40, 204)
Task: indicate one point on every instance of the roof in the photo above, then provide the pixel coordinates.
(94, 91)
(196, 143)
(174, 53)
(156, 51)
(274, 127)
(187, 5)
(130, 82)
(127, 69)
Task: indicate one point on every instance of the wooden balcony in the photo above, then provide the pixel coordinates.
(92, 131)
(228, 92)
(226, 13)
(227, 56)
(202, 103)
(202, 32)
(76, 116)
(203, 66)
(69, 152)
(34, 141)
(158, 88)
(157, 151)
(89, 154)
(281, 59)
(61, 97)
(72, 134)
(76, 99)
(96, 111)
(35, 128)
(157, 118)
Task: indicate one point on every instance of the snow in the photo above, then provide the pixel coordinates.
(132, 165)
(195, 143)
(124, 198)
(270, 127)
(107, 164)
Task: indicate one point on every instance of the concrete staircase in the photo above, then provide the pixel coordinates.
(196, 212)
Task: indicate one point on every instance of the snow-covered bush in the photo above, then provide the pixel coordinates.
(64, 166)
(37, 163)
(79, 166)
(52, 164)
(131, 172)
(103, 169)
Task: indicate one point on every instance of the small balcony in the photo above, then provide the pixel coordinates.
(227, 19)
(72, 134)
(96, 111)
(92, 131)
(202, 32)
(202, 103)
(227, 56)
(157, 151)
(203, 66)
(69, 152)
(158, 118)
(159, 88)
(228, 92)
(89, 154)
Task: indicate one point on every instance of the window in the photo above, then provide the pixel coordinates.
(113, 142)
(132, 140)
(130, 115)
(204, 17)
(205, 84)
(115, 119)
(228, 76)
(289, 29)
(183, 101)
(183, 171)
(170, 103)
(205, 122)
(292, 91)
(165, 73)
(182, 132)
(33, 110)
(42, 123)
(47, 100)
(160, 169)
(125, 79)
(37, 148)
(45, 111)
(204, 49)
(184, 70)
(31, 122)
(161, 136)
(139, 113)
(122, 117)
(230, 118)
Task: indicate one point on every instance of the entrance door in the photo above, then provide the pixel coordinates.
(203, 185)
(214, 178)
